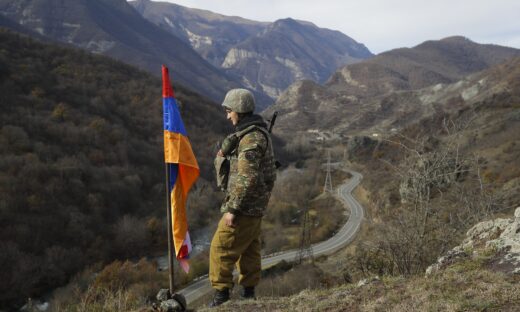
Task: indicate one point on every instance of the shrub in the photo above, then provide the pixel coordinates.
(131, 236)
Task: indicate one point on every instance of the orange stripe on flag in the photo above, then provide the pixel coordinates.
(179, 220)
(177, 150)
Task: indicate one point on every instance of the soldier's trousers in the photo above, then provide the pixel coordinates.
(238, 245)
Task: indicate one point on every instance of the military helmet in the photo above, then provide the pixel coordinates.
(239, 101)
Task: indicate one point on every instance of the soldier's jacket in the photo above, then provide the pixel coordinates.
(252, 171)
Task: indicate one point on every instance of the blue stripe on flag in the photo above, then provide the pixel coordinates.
(172, 117)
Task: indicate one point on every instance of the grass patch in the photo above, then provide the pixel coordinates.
(466, 286)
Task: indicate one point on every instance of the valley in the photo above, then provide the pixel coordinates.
(434, 129)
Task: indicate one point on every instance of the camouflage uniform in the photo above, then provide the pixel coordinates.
(251, 179)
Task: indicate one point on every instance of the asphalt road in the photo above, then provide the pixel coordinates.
(342, 238)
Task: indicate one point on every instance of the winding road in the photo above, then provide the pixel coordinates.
(342, 238)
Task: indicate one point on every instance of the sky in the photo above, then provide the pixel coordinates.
(384, 25)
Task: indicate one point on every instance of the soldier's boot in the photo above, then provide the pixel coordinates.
(247, 293)
(219, 298)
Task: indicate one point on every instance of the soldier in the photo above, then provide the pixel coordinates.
(248, 187)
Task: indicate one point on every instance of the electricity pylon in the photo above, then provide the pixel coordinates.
(328, 180)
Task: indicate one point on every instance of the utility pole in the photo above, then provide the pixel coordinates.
(328, 180)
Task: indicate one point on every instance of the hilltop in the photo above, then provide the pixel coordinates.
(474, 279)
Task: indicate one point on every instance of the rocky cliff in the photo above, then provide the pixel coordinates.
(287, 51)
(499, 237)
(265, 57)
(212, 35)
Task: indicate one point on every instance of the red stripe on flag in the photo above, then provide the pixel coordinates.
(167, 87)
(183, 253)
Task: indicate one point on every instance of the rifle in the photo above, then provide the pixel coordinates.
(271, 122)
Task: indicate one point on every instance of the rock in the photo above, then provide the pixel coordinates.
(367, 281)
(500, 235)
(508, 246)
(485, 231)
(434, 268)
(163, 294)
(170, 305)
(451, 257)
(509, 239)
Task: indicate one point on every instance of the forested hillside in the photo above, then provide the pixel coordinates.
(81, 164)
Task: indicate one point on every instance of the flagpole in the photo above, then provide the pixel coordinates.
(170, 228)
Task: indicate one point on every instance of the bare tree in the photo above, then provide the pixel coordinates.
(442, 194)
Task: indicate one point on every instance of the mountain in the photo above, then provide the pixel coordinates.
(265, 57)
(289, 50)
(481, 111)
(116, 29)
(391, 90)
(81, 164)
(441, 61)
(482, 108)
(212, 35)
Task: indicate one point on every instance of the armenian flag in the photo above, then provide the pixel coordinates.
(183, 170)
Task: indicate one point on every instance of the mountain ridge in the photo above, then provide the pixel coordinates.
(199, 27)
(287, 51)
(116, 29)
(433, 61)
(265, 57)
(358, 96)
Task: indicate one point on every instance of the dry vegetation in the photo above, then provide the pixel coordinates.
(466, 286)
(121, 285)
(81, 169)
(297, 188)
(437, 192)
